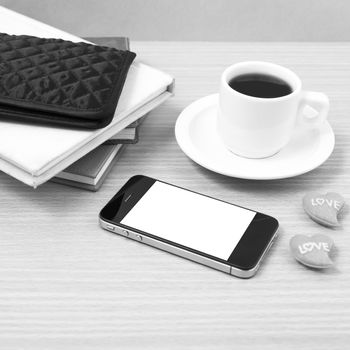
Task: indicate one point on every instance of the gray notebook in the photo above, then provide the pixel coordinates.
(128, 135)
(90, 171)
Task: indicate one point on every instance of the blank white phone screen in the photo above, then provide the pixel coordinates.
(198, 222)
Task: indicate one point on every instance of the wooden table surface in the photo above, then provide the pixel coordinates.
(67, 284)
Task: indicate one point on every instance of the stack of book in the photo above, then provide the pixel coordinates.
(90, 171)
(35, 154)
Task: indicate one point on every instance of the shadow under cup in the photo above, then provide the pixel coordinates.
(257, 126)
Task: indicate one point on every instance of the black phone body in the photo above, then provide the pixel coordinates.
(200, 228)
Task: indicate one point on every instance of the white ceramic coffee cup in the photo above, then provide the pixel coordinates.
(256, 127)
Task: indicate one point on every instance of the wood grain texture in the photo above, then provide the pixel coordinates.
(67, 284)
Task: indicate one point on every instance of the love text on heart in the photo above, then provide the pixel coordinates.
(330, 202)
(310, 246)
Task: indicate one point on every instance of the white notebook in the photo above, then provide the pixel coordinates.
(34, 154)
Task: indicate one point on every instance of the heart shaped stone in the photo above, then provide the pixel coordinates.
(324, 209)
(312, 251)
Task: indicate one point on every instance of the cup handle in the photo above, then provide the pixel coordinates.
(319, 102)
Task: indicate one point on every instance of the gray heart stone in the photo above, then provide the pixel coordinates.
(324, 209)
(312, 251)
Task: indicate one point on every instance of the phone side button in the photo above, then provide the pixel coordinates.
(125, 233)
(110, 227)
(138, 238)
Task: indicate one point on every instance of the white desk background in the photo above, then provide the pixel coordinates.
(67, 284)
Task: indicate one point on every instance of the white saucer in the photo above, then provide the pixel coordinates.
(196, 134)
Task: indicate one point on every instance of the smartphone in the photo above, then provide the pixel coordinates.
(206, 230)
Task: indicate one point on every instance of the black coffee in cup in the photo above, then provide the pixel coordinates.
(260, 85)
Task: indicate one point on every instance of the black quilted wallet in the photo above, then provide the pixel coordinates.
(58, 82)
